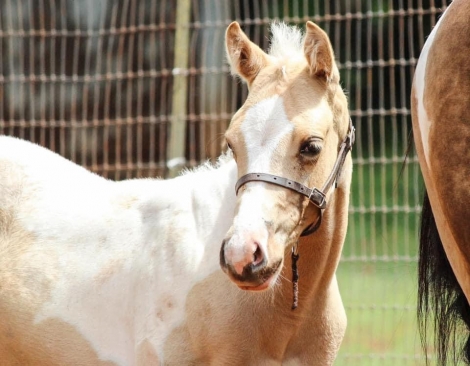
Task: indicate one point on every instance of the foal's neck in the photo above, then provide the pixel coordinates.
(212, 188)
(212, 192)
(208, 200)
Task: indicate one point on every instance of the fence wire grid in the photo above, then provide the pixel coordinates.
(104, 82)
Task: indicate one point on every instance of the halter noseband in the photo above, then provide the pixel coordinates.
(315, 195)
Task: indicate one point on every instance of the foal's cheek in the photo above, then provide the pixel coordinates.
(276, 248)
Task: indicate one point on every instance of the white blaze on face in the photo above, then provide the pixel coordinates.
(420, 74)
(265, 126)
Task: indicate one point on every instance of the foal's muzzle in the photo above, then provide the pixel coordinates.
(255, 273)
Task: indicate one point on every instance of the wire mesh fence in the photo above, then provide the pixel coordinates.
(103, 82)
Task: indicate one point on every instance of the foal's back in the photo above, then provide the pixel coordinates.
(68, 262)
(94, 270)
(39, 192)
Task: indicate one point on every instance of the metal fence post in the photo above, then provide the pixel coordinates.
(176, 146)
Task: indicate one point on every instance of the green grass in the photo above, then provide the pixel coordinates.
(385, 204)
(377, 276)
(380, 301)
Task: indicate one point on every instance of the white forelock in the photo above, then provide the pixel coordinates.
(286, 41)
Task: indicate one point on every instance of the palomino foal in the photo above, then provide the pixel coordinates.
(295, 125)
(94, 272)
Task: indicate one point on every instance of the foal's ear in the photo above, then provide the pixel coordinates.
(319, 53)
(246, 59)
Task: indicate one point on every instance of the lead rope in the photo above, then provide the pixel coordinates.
(295, 276)
(295, 257)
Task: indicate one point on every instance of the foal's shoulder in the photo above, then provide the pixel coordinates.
(36, 163)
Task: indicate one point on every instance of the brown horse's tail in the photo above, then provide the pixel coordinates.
(442, 305)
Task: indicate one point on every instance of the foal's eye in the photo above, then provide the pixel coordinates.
(229, 146)
(310, 148)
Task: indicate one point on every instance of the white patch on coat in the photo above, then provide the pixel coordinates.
(420, 85)
(121, 256)
(264, 127)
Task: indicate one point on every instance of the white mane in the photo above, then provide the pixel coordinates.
(286, 41)
(210, 166)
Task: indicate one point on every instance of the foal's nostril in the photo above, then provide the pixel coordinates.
(257, 255)
(222, 261)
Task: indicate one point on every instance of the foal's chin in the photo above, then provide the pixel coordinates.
(257, 282)
(258, 288)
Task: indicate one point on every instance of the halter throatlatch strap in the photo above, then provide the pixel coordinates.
(313, 226)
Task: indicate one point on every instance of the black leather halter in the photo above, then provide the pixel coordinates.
(315, 195)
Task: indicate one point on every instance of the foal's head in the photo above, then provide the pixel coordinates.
(291, 125)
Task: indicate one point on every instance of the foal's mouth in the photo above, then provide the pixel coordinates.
(259, 280)
(263, 286)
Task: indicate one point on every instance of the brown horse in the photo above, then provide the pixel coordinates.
(295, 125)
(441, 127)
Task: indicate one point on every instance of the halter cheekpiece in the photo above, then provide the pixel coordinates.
(316, 196)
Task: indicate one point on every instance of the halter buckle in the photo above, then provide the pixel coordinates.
(351, 136)
(318, 198)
